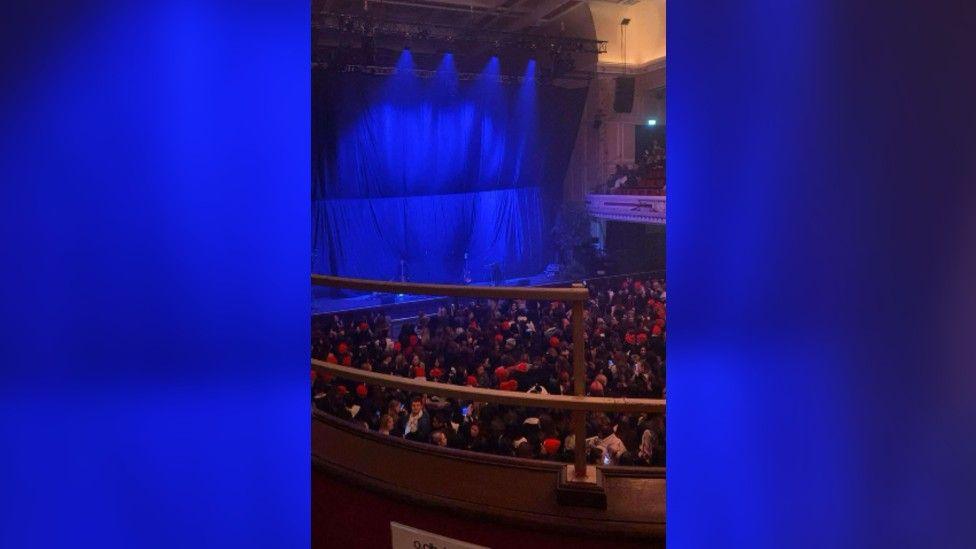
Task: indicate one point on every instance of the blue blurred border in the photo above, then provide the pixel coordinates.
(821, 181)
(156, 260)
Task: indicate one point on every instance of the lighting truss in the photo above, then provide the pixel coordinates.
(423, 73)
(366, 26)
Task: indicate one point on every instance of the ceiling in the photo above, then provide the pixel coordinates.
(590, 19)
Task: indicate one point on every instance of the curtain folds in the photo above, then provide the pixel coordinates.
(411, 174)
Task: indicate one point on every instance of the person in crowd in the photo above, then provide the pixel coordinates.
(607, 441)
(472, 438)
(416, 425)
(386, 425)
(438, 438)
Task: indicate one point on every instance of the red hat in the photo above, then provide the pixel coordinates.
(506, 324)
(361, 390)
(630, 338)
(397, 346)
(419, 372)
(642, 337)
(510, 385)
(472, 381)
(522, 367)
(332, 358)
(596, 388)
(554, 341)
(659, 322)
(655, 330)
(499, 338)
(363, 326)
(347, 360)
(551, 445)
(436, 373)
(413, 340)
(343, 348)
(501, 373)
(342, 389)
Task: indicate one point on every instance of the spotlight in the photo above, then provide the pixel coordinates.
(651, 122)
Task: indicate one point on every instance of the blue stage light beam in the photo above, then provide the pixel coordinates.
(404, 84)
(527, 89)
(526, 117)
(493, 68)
(405, 61)
(489, 82)
(446, 79)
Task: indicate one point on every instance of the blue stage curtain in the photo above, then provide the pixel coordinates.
(426, 170)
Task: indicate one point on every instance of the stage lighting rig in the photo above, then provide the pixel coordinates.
(496, 40)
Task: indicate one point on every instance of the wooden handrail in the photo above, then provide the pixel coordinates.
(480, 394)
(454, 290)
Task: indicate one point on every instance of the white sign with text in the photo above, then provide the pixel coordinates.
(405, 537)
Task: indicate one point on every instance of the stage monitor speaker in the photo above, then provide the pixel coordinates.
(623, 94)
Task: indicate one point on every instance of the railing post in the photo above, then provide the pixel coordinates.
(579, 388)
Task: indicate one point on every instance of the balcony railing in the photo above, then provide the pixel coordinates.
(622, 207)
(578, 404)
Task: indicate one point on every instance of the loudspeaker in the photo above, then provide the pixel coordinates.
(623, 94)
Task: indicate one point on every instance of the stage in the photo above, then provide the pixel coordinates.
(401, 306)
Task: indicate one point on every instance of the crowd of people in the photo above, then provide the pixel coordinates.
(509, 345)
(653, 158)
(648, 173)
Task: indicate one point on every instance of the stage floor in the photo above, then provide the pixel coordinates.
(405, 305)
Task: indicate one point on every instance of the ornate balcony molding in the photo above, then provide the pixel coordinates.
(632, 208)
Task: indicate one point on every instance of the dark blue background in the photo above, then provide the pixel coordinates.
(821, 234)
(155, 177)
(155, 258)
